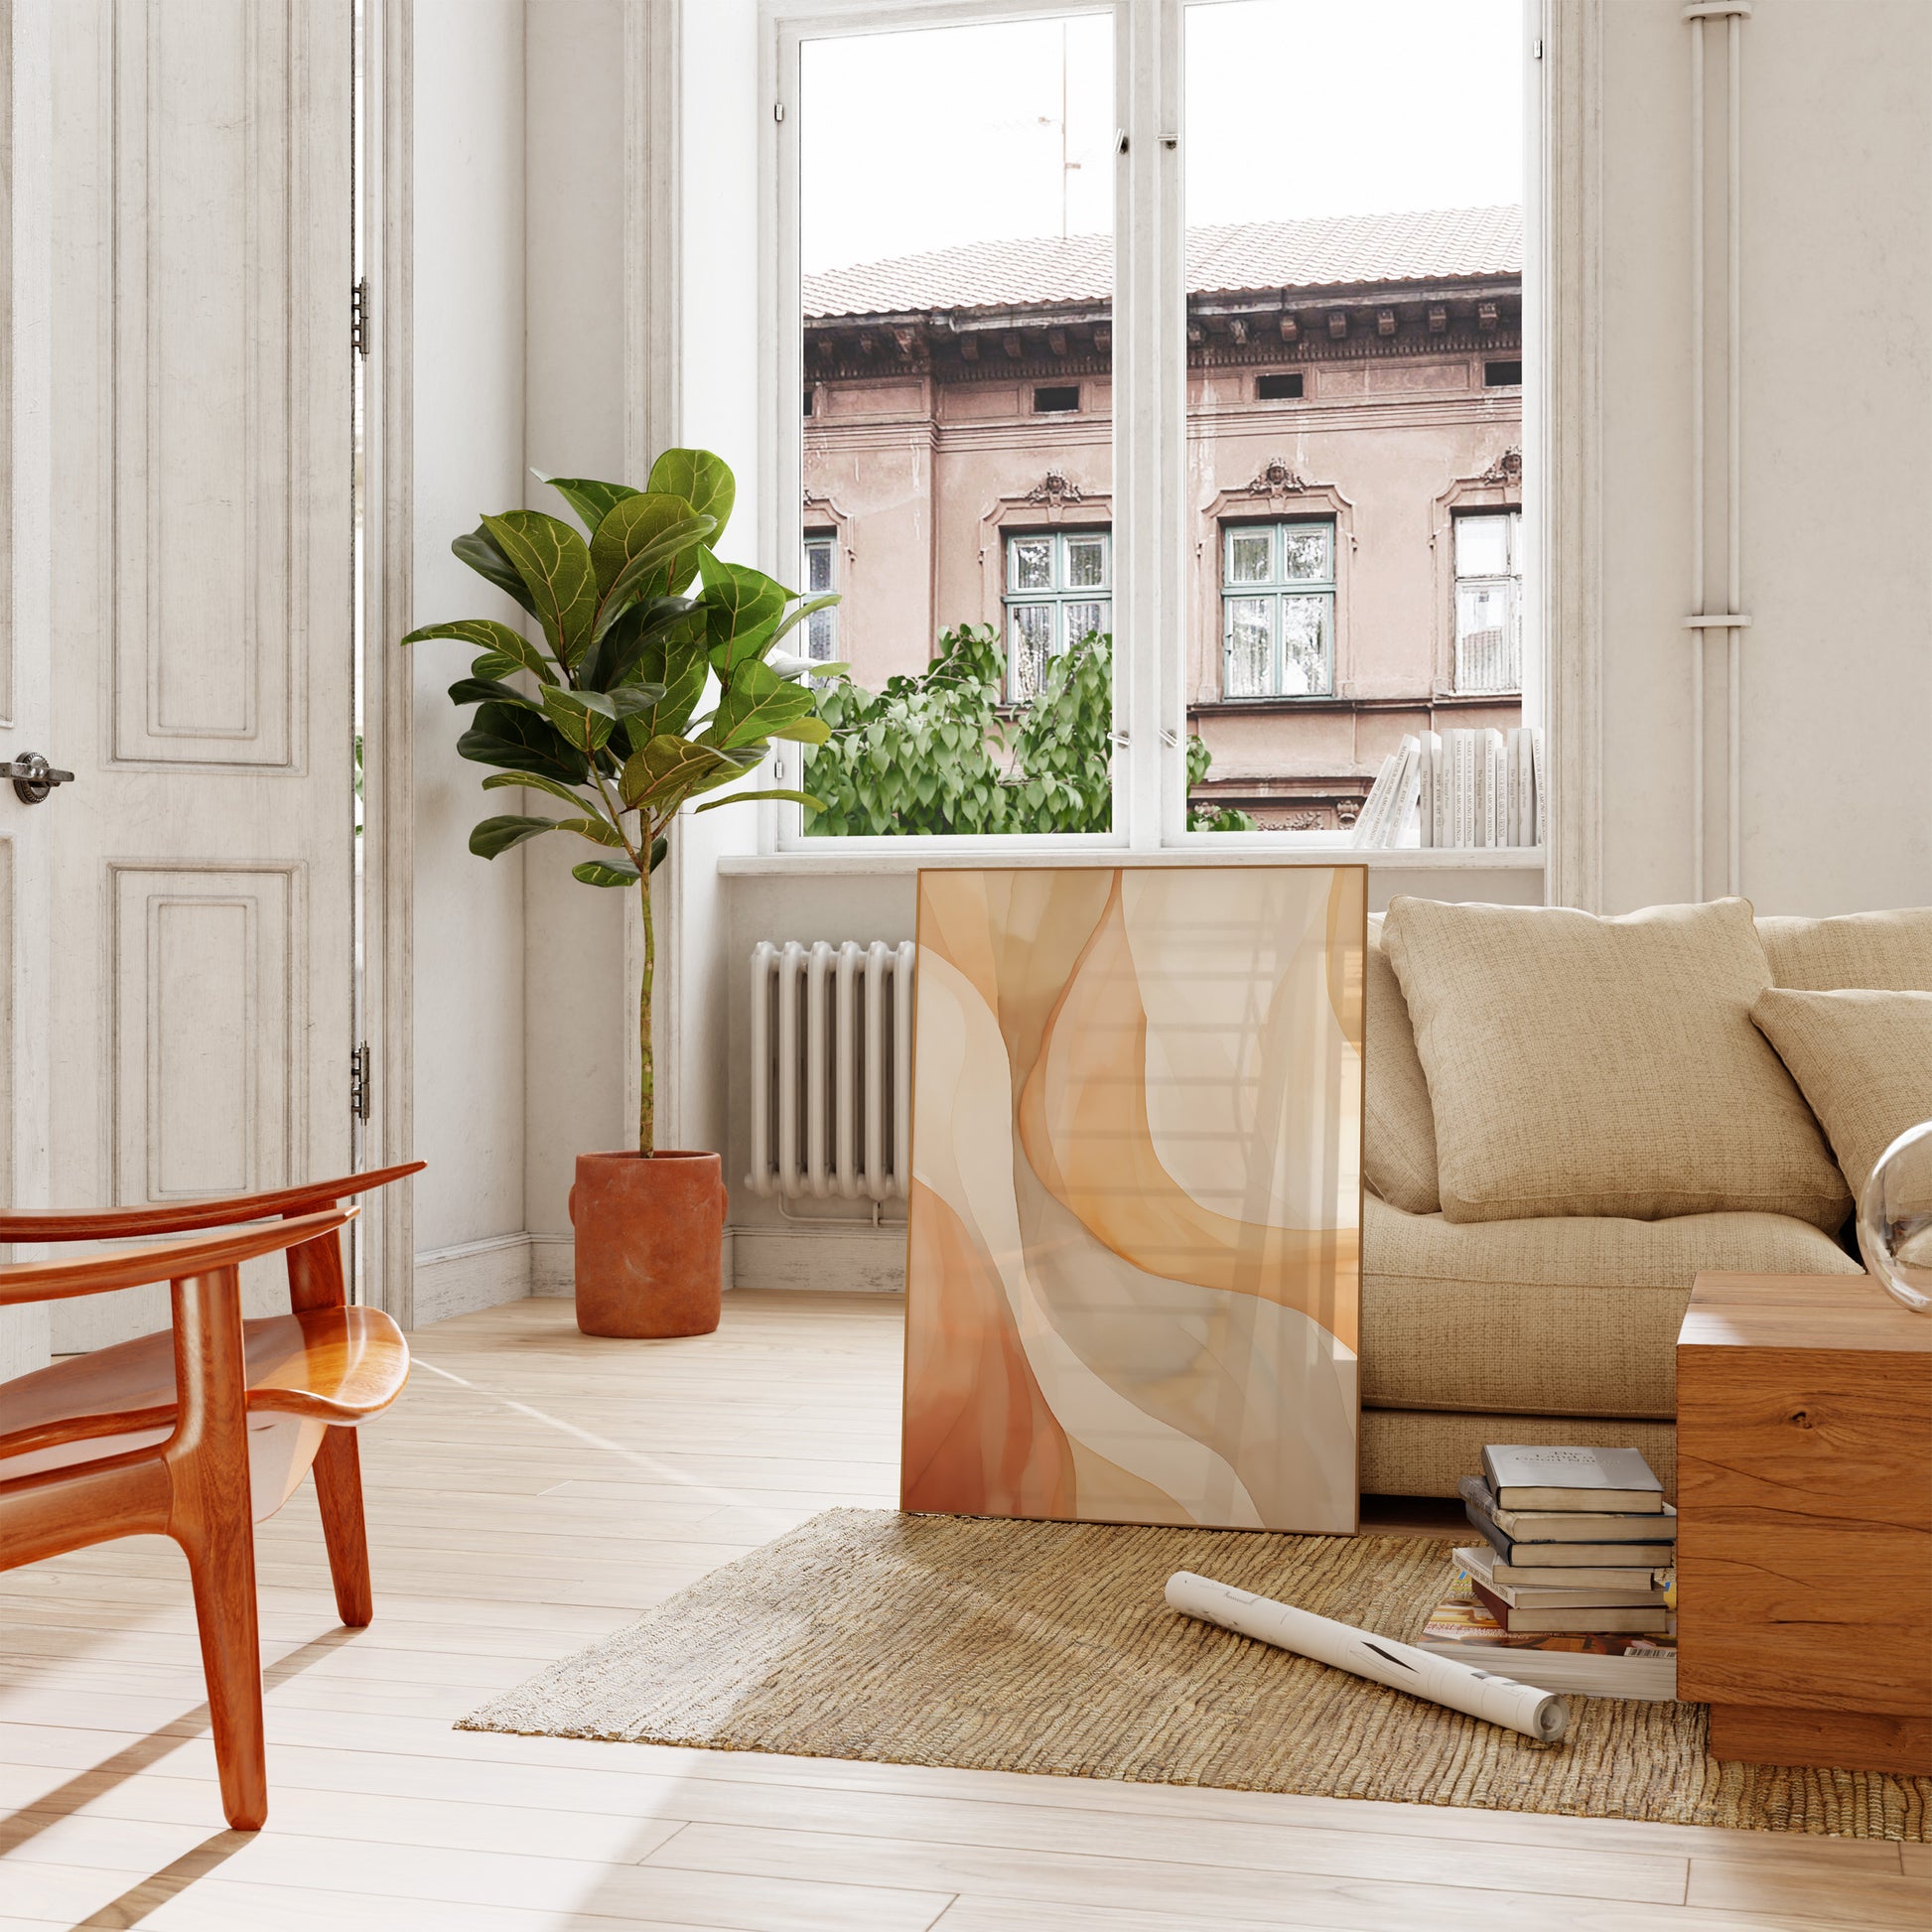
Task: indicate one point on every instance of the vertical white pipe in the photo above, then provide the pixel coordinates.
(1697, 456)
(1734, 471)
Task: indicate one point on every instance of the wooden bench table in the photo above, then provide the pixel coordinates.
(1804, 1540)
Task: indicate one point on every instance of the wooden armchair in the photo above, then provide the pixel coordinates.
(199, 1433)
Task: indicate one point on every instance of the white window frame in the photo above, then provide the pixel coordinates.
(1151, 561)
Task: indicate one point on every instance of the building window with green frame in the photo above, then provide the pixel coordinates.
(1278, 609)
(1060, 589)
(821, 575)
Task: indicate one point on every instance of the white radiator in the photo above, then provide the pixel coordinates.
(832, 1071)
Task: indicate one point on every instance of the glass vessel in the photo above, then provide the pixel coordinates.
(1895, 1218)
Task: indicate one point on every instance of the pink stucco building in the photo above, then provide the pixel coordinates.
(1354, 478)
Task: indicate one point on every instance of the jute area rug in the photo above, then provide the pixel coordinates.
(1046, 1647)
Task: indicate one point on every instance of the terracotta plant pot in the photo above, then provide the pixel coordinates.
(650, 1242)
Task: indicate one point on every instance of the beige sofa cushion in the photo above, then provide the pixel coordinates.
(1398, 1129)
(1880, 949)
(1584, 1066)
(1563, 1316)
(1426, 1452)
(1863, 1060)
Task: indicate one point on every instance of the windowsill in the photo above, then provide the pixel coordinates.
(858, 859)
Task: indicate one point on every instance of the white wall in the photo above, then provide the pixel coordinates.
(1836, 427)
(469, 400)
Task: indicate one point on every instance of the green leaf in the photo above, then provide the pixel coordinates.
(584, 718)
(804, 730)
(704, 480)
(479, 549)
(660, 642)
(598, 830)
(756, 704)
(486, 690)
(606, 872)
(494, 665)
(742, 610)
(592, 502)
(522, 740)
(798, 617)
(669, 769)
(554, 563)
(536, 781)
(745, 797)
(497, 638)
(649, 571)
(660, 846)
(636, 523)
(497, 835)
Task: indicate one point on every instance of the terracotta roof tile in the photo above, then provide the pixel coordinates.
(1429, 244)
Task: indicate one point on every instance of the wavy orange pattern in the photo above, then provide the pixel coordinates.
(1134, 1274)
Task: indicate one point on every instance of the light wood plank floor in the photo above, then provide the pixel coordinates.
(535, 1489)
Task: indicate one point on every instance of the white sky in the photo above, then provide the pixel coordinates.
(929, 138)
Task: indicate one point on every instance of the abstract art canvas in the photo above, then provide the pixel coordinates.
(1134, 1264)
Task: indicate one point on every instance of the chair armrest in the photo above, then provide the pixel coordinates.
(57, 1281)
(182, 1217)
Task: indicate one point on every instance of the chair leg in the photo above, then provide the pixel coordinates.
(338, 1489)
(209, 1517)
(222, 1565)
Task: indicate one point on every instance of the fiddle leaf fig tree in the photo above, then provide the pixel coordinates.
(642, 625)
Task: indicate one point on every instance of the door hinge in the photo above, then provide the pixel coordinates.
(359, 1083)
(359, 317)
(778, 111)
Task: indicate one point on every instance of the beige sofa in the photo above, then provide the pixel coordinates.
(1561, 1328)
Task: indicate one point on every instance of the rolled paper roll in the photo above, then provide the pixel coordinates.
(1401, 1666)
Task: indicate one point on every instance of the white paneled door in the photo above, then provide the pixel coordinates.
(199, 1009)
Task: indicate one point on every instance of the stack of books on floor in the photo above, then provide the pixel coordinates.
(1574, 1576)
(1470, 788)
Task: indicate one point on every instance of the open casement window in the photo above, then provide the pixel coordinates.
(1059, 586)
(1278, 609)
(1488, 602)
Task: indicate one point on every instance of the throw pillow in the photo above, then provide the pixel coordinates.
(1584, 1066)
(1875, 950)
(1864, 1061)
(1398, 1129)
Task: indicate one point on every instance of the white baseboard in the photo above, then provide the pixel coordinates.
(851, 1259)
(476, 1275)
(553, 1264)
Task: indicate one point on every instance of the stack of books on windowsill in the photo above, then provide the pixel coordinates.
(1574, 1576)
